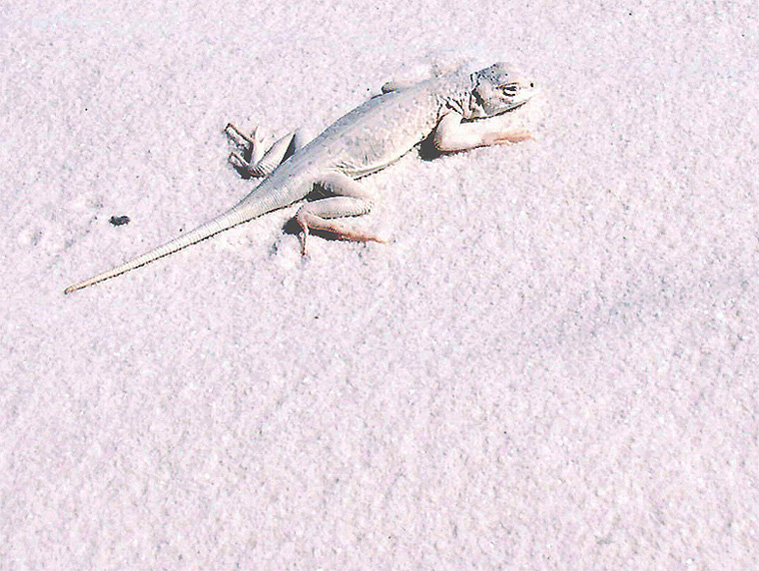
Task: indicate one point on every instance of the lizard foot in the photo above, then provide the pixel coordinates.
(234, 133)
(257, 160)
(254, 150)
(309, 221)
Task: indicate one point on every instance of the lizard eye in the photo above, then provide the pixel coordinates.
(510, 89)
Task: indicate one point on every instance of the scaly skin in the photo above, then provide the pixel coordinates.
(366, 140)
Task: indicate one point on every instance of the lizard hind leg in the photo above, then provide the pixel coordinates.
(350, 199)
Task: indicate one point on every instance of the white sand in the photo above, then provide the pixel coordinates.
(553, 366)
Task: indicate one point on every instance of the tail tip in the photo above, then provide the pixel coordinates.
(72, 288)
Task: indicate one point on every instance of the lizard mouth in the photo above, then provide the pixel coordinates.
(507, 110)
(515, 106)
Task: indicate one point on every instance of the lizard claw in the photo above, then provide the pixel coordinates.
(304, 234)
(234, 133)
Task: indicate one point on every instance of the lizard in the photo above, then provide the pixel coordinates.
(457, 111)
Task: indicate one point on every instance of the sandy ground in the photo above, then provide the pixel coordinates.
(553, 365)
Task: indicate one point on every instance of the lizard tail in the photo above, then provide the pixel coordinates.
(242, 212)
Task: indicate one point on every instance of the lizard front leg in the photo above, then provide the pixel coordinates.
(351, 199)
(452, 134)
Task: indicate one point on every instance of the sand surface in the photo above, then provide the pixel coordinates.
(553, 365)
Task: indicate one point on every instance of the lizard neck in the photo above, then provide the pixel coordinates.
(456, 94)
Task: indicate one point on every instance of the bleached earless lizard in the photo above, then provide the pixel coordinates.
(458, 111)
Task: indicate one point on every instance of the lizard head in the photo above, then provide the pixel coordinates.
(498, 89)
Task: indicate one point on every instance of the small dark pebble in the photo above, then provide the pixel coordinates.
(119, 220)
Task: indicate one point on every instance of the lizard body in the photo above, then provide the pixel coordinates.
(461, 110)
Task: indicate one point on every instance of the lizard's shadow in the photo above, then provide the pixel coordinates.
(426, 149)
(428, 152)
